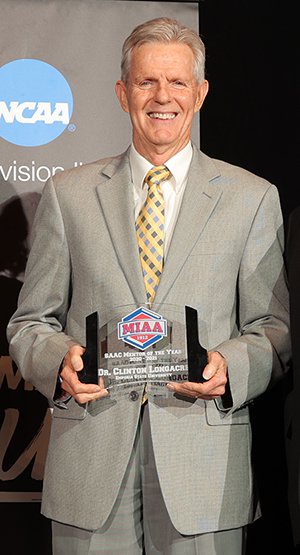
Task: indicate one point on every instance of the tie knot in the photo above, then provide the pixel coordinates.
(156, 175)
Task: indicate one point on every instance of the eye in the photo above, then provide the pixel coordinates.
(146, 84)
(178, 84)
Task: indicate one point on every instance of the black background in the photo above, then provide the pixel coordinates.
(251, 118)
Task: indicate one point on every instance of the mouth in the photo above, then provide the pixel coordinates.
(162, 115)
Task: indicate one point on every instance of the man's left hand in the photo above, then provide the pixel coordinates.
(215, 374)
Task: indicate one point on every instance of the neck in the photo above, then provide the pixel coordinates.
(157, 156)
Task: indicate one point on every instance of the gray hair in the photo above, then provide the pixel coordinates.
(166, 30)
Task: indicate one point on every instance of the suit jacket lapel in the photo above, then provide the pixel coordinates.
(199, 200)
(116, 200)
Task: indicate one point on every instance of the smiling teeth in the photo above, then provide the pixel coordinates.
(161, 116)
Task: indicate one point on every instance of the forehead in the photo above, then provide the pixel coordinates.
(157, 56)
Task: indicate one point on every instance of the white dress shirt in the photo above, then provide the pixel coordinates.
(172, 189)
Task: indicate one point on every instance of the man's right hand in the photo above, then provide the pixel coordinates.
(82, 393)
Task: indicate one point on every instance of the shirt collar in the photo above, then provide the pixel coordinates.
(178, 166)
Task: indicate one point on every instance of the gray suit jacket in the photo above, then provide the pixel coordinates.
(225, 260)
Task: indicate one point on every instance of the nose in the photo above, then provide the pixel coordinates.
(162, 93)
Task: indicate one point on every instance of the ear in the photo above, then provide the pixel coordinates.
(202, 90)
(121, 92)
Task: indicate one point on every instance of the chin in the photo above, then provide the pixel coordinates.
(164, 138)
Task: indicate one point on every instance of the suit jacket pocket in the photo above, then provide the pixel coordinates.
(215, 417)
(71, 410)
(74, 411)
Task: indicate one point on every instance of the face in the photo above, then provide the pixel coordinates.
(161, 96)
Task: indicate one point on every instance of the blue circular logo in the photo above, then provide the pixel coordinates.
(36, 102)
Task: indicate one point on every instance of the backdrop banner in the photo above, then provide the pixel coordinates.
(59, 61)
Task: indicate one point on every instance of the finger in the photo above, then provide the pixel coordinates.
(76, 360)
(215, 365)
(184, 390)
(101, 382)
(209, 371)
(85, 392)
(212, 389)
(83, 398)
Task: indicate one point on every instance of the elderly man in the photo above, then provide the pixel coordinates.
(136, 474)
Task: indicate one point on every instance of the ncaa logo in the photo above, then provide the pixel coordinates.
(141, 328)
(36, 102)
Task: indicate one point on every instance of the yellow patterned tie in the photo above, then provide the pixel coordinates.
(150, 235)
(150, 230)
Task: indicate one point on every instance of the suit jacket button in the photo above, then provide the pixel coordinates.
(133, 395)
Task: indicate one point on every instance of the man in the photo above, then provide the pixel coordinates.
(293, 405)
(174, 476)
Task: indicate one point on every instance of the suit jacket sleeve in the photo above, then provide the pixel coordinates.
(261, 354)
(43, 301)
